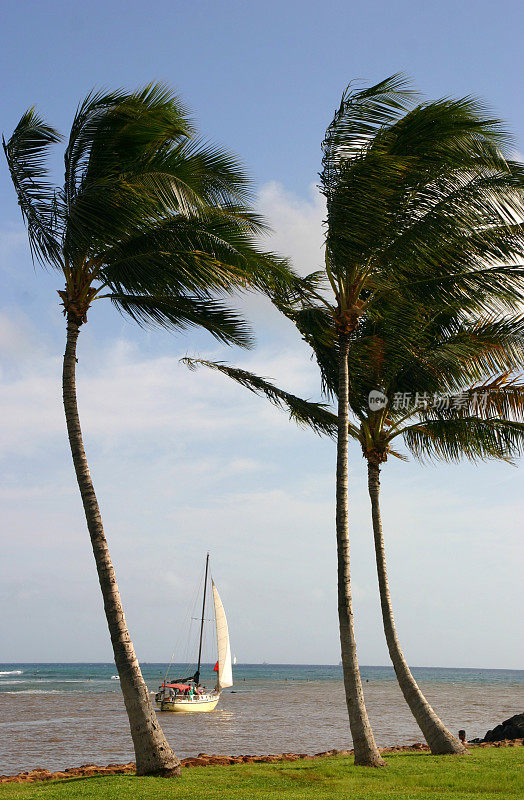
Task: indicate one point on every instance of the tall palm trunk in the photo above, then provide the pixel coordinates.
(153, 754)
(366, 751)
(435, 732)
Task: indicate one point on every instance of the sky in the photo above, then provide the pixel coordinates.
(187, 462)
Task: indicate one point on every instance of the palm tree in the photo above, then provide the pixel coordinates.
(421, 203)
(415, 199)
(159, 223)
(435, 359)
(462, 410)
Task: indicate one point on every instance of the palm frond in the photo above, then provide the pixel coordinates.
(443, 357)
(214, 252)
(87, 120)
(26, 153)
(113, 136)
(465, 437)
(361, 114)
(177, 312)
(427, 200)
(304, 412)
(500, 396)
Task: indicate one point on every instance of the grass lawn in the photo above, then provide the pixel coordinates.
(486, 773)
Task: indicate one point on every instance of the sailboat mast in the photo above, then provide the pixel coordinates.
(197, 673)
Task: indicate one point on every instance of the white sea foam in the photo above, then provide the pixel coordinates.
(36, 691)
(13, 672)
(39, 681)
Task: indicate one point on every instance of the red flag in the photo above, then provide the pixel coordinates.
(215, 668)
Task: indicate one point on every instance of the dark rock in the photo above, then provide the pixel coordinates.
(512, 728)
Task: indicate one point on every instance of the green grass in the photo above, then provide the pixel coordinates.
(490, 774)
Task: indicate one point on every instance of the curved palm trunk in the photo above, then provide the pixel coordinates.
(153, 754)
(435, 732)
(366, 751)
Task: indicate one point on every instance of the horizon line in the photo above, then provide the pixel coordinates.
(264, 664)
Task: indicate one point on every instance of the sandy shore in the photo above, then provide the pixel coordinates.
(206, 760)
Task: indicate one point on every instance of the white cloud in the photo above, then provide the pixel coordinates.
(124, 395)
(297, 224)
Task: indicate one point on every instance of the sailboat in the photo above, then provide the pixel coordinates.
(187, 694)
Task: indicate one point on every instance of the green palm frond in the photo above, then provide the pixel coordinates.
(362, 113)
(445, 356)
(421, 203)
(465, 437)
(403, 348)
(500, 396)
(178, 312)
(27, 153)
(207, 173)
(138, 151)
(88, 118)
(214, 252)
(476, 349)
(304, 412)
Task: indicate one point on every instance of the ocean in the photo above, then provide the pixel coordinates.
(64, 715)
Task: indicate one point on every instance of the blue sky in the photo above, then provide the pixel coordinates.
(185, 462)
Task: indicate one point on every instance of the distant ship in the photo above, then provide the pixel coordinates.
(187, 694)
(234, 660)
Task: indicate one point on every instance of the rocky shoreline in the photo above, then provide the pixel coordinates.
(512, 728)
(206, 760)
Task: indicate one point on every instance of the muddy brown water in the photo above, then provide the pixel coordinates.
(58, 729)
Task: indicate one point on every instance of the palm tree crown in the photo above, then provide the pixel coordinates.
(450, 385)
(421, 199)
(148, 215)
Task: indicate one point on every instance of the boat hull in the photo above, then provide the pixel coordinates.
(187, 706)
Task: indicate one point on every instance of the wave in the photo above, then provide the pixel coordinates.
(13, 672)
(40, 681)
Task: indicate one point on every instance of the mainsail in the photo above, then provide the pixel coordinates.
(225, 673)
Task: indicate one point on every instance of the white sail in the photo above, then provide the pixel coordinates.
(225, 673)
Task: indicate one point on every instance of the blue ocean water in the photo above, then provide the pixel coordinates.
(96, 677)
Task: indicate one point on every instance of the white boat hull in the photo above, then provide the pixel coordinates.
(189, 705)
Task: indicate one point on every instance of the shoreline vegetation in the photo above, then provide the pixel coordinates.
(40, 774)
